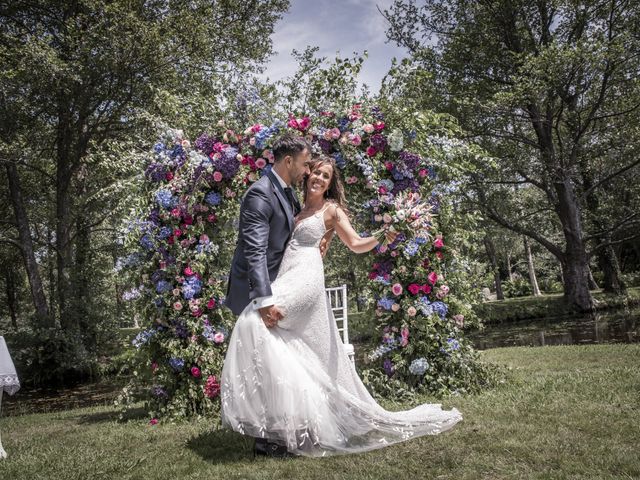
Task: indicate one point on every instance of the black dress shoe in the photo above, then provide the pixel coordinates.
(265, 448)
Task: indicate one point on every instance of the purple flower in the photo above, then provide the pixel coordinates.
(205, 143)
(378, 142)
(388, 367)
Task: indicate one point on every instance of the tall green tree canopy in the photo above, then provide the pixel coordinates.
(550, 89)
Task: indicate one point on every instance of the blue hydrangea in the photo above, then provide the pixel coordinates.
(340, 161)
(424, 305)
(382, 350)
(191, 287)
(419, 366)
(213, 198)
(158, 147)
(385, 303)
(142, 338)
(163, 286)
(453, 344)
(176, 363)
(165, 232)
(411, 248)
(440, 308)
(147, 241)
(165, 198)
(386, 183)
(343, 123)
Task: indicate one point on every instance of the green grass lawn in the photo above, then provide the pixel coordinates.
(566, 412)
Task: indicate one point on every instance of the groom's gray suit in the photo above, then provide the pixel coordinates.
(266, 223)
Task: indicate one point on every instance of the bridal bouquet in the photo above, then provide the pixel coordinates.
(410, 215)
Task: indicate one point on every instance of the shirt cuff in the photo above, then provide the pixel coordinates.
(262, 302)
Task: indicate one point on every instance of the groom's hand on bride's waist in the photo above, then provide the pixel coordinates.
(270, 315)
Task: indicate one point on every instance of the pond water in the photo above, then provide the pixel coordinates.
(621, 326)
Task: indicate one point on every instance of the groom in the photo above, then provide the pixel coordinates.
(266, 223)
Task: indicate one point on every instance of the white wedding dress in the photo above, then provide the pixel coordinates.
(295, 385)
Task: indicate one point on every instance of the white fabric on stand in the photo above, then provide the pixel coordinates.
(8, 380)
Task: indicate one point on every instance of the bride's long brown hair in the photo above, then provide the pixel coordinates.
(335, 191)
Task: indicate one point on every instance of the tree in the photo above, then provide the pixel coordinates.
(534, 84)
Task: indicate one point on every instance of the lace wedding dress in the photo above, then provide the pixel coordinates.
(295, 385)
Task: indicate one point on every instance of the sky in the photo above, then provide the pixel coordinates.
(343, 26)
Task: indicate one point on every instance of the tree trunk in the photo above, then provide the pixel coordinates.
(80, 283)
(10, 289)
(575, 264)
(509, 267)
(532, 272)
(491, 253)
(593, 285)
(31, 265)
(64, 250)
(608, 262)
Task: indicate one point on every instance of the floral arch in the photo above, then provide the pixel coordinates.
(183, 236)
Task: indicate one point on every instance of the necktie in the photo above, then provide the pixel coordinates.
(292, 200)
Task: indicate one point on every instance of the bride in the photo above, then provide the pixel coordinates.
(293, 384)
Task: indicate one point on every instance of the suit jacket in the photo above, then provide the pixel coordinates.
(266, 223)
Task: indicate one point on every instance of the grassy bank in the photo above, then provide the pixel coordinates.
(566, 412)
(547, 306)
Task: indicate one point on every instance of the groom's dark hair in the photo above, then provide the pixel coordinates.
(289, 144)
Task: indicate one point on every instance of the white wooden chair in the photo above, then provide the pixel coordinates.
(337, 298)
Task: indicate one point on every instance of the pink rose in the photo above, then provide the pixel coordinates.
(368, 128)
(211, 303)
(405, 335)
(422, 173)
(388, 166)
(433, 278)
(335, 133)
(195, 372)
(177, 306)
(355, 139)
(371, 151)
(211, 218)
(438, 243)
(395, 307)
(378, 126)
(175, 212)
(153, 421)
(176, 292)
(163, 264)
(217, 176)
(383, 248)
(414, 288)
(292, 123)
(261, 163)
(177, 232)
(188, 272)
(440, 255)
(327, 135)
(218, 337)
(168, 176)
(411, 311)
(304, 123)
(396, 289)
(394, 253)
(196, 313)
(426, 289)
(459, 319)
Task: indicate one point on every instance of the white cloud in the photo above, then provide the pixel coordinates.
(334, 26)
